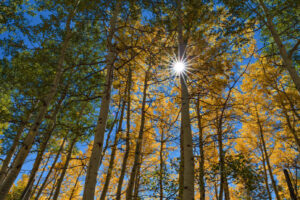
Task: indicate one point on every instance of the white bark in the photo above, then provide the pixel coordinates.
(93, 166)
(188, 156)
(29, 140)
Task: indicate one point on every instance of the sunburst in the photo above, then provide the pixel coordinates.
(179, 66)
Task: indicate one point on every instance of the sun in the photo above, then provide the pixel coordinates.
(179, 67)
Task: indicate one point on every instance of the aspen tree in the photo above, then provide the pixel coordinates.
(125, 158)
(50, 170)
(187, 173)
(93, 166)
(138, 147)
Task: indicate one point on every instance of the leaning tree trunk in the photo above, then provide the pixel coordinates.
(226, 190)
(13, 148)
(161, 164)
(54, 185)
(138, 147)
(29, 140)
(113, 154)
(188, 156)
(107, 141)
(125, 158)
(201, 148)
(26, 193)
(137, 182)
(64, 170)
(221, 159)
(50, 170)
(285, 55)
(265, 172)
(76, 183)
(69, 154)
(93, 166)
(288, 122)
(40, 177)
(261, 132)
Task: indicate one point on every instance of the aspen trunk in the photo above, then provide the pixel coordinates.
(107, 139)
(226, 190)
(54, 185)
(137, 182)
(216, 190)
(188, 156)
(64, 170)
(40, 177)
(139, 142)
(13, 148)
(267, 156)
(288, 121)
(76, 182)
(201, 148)
(221, 158)
(161, 165)
(181, 166)
(29, 140)
(50, 170)
(93, 166)
(265, 173)
(124, 163)
(223, 175)
(113, 154)
(26, 193)
(69, 154)
(287, 59)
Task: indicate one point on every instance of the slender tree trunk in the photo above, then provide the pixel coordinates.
(64, 170)
(223, 173)
(222, 164)
(216, 191)
(267, 156)
(181, 166)
(69, 154)
(50, 170)
(287, 59)
(226, 190)
(296, 180)
(26, 193)
(125, 158)
(107, 141)
(188, 156)
(288, 121)
(265, 173)
(93, 166)
(40, 177)
(75, 185)
(54, 185)
(161, 165)
(290, 185)
(201, 148)
(287, 117)
(137, 182)
(139, 141)
(13, 148)
(29, 140)
(113, 154)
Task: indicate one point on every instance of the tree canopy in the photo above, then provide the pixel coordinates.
(122, 99)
